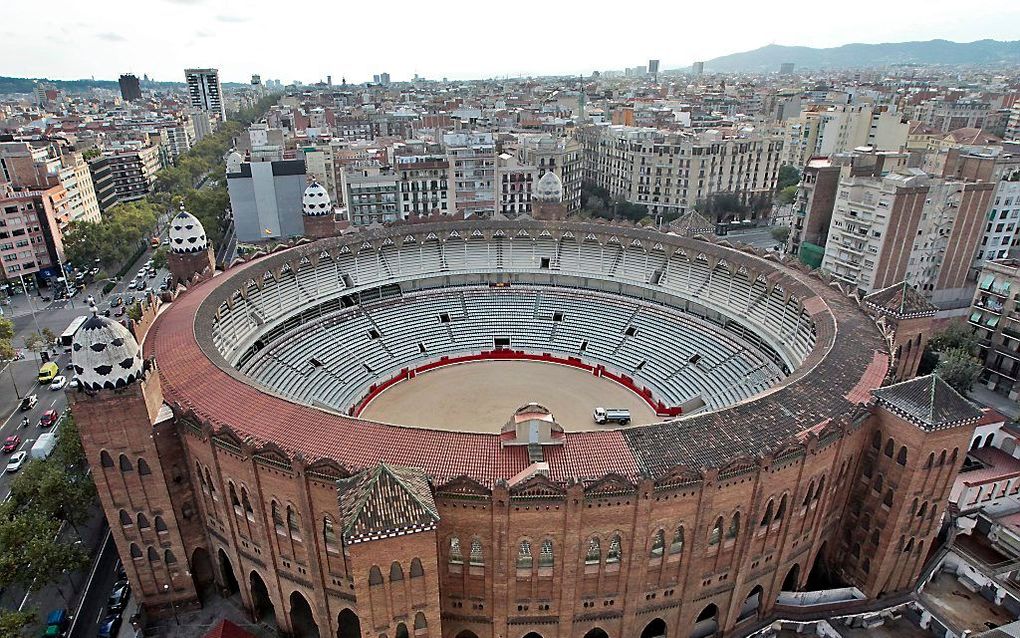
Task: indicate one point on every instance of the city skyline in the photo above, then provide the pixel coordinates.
(551, 40)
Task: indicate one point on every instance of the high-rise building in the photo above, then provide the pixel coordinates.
(473, 156)
(130, 88)
(256, 79)
(907, 226)
(786, 68)
(265, 199)
(30, 239)
(372, 194)
(124, 175)
(653, 68)
(205, 92)
(698, 68)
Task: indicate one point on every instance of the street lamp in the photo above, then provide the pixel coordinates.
(166, 590)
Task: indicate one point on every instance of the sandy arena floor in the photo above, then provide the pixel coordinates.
(481, 396)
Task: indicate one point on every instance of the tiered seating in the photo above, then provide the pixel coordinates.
(331, 362)
(765, 332)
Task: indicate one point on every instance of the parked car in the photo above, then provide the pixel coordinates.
(120, 312)
(131, 298)
(119, 597)
(29, 402)
(49, 418)
(109, 626)
(57, 623)
(11, 444)
(133, 284)
(58, 382)
(17, 461)
(116, 302)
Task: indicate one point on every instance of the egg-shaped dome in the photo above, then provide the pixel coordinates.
(187, 234)
(316, 201)
(549, 188)
(105, 354)
(234, 161)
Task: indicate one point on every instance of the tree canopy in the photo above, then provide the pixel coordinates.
(788, 176)
(959, 368)
(113, 240)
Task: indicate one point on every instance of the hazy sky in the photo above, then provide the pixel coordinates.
(305, 40)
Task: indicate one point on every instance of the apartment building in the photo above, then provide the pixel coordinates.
(30, 239)
(822, 131)
(562, 155)
(473, 159)
(670, 172)
(516, 182)
(907, 226)
(426, 185)
(995, 319)
(948, 115)
(1003, 223)
(124, 174)
(205, 92)
(373, 194)
(41, 164)
(130, 87)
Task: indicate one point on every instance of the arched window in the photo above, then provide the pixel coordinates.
(169, 558)
(416, 568)
(930, 462)
(821, 488)
(810, 493)
(876, 440)
(277, 517)
(160, 524)
(136, 552)
(988, 441)
(375, 576)
(293, 523)
(855, 550)
(153, 555)
(125, 464)
(246, 504)
(143, 521)
(889, 447)
(766, 519)
(734, 528)
(866, 565)
(879, 483)
(867, 469)
(615, 552)
(901, 456)
(208, 479)
(658, 544)
(942, 458)
(913, 506)
(396, 571)
(105, 459)
(524, 558)
(476, 558)
(329, 535)
(545, 555)
(716, 534)
(677, 545)
(887, 501)
(976, 443)
(781, 512)
(125, 519)
(924, 510)
(934, 509)
(420, 622)
(875, 535)
(233, 497)
(455, 555)
(594, 554)
(866, 522)
(143, 468)
(910, 545)
(956, 453)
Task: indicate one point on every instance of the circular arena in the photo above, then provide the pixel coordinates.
(391, 431)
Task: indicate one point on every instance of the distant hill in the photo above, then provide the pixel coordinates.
(931, 52)
(27, 85)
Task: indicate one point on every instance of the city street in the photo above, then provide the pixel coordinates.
(19, 379)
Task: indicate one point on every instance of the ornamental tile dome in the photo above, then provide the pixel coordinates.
(316, 201)
(549, 188)
(187, 234)
(105, 354)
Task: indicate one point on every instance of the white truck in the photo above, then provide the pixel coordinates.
(611, 415)
(44, 445)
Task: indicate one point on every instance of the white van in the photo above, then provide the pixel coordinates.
(44, 445)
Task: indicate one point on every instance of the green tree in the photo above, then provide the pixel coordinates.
(31, 554)
(91, 153)
(6, 329)
(954, 336)
(959, 368)
(37, 343)
(722, 207)
(787, 195)
(159, 258)
(780, 233)
(13, 623)
(61, 493)
(788, 176)
(135, 311)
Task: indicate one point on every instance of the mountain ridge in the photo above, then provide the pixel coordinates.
(860, 55)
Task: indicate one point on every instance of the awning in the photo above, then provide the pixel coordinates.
(975, 316)
(992, 321)
(986, 283)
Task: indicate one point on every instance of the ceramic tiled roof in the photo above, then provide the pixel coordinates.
(901, 300)
(385, 501)
(928, 402)
(849, 359)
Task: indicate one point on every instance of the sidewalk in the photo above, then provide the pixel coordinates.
(982, 395)
(194, 624)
